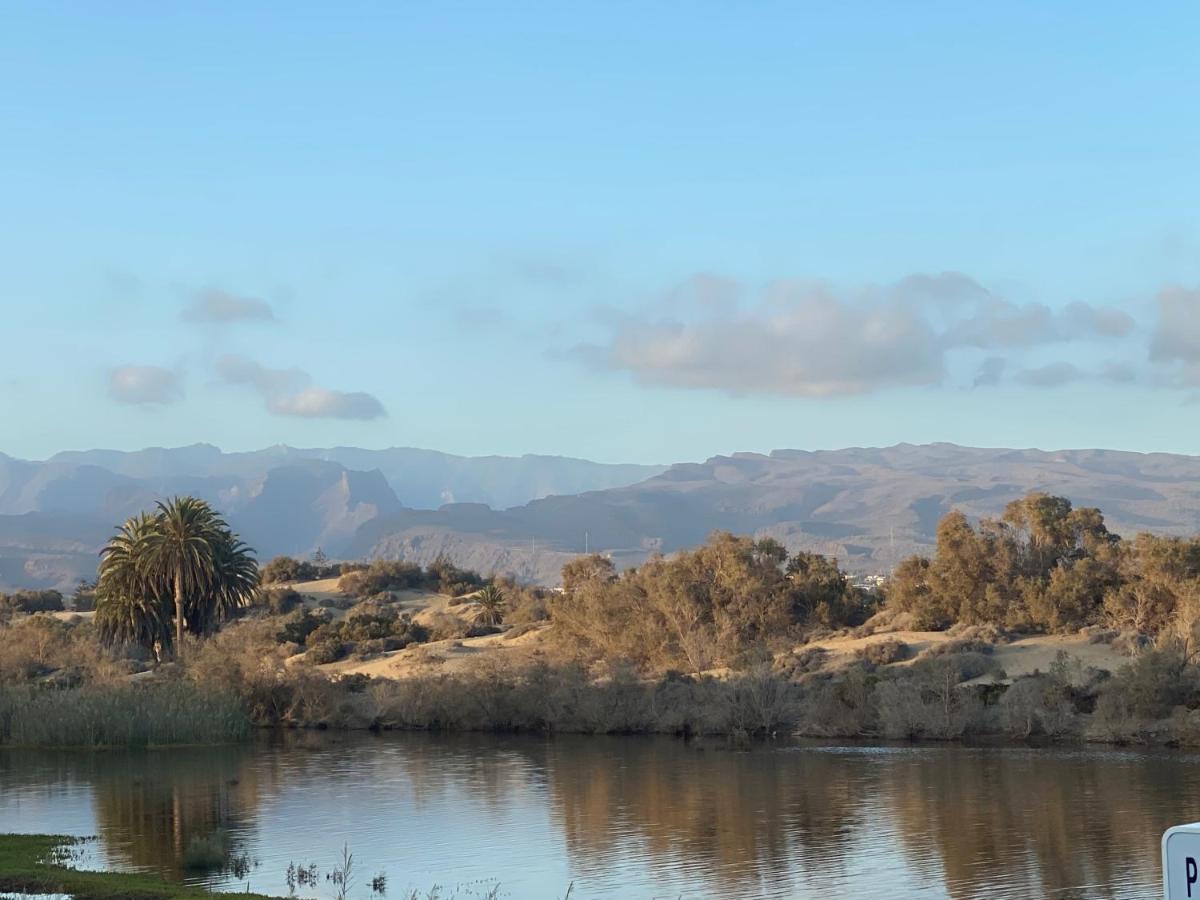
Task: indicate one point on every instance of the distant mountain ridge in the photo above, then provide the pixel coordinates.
(56, 514)
(421, 478)
(869, 507)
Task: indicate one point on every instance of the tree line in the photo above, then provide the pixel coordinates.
(722, 604)
(1047, 566)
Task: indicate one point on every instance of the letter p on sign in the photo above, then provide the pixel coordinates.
(1181, 862)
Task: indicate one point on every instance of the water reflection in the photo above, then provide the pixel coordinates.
(632, 817)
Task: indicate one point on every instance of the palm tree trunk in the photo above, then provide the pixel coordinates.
(178, 611)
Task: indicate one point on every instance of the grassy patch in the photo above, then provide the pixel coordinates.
(119, 715)
(38, 863)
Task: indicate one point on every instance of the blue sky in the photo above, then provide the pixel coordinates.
(643, 232)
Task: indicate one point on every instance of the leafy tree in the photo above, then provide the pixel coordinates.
(584, 569)
(821, 590)
(720, 604)
(287, 569)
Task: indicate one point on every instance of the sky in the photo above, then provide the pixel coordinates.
(643, 232)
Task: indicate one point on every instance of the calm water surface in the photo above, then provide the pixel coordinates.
(627, 817)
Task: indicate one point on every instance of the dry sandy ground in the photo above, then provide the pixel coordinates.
(68, 616)
(1019, 657)
(450, 656)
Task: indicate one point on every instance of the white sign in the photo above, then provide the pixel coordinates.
(1181, 862)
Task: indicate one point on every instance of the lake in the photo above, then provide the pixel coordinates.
(627, 817)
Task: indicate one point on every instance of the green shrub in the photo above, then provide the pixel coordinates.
(884, 653)
(1143, 693)
(281, 601)
(298, 630)
(33, 601)
(382, 575)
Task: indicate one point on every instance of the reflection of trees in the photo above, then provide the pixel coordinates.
(150, 805)
(1025, 822)
(737, 817)
(1044, 820)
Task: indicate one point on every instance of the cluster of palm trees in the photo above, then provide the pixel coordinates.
(179, 569)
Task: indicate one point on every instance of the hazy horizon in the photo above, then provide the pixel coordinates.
(606, 462)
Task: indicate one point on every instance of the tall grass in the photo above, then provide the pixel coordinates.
(119, 715)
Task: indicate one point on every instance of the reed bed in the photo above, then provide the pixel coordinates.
(119, 715)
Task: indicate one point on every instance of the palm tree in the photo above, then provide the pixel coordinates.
(181, 550)
(184, 556)
(491, 605)
(234, 584)
(130, 606)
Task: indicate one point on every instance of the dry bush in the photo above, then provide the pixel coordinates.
(800, 662)
(1099, 634)
(444, 626)
(1132, 643)
(953, 648)
(520, 630)
(1038, 705)
(885, 653)
(38, 646)
(1132, 705)
(988, 633)
(546, 698)
(841, 705)
(383, 575)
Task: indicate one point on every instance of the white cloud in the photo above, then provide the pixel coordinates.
(801, 342)
(144, 385)
(1176, 337)
(220, 307)
(321, 403)
(287, 392)
(806, 339)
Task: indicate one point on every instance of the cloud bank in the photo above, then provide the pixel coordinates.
(288, 392)
(806, 339)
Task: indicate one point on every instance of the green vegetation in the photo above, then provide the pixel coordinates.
(491, 605)
(381, 575)
(120, 715)
(288, 570)
(365, 632)
(30, 602)
(727, 603)
(180, 566)
(39, 863)
(737, 614)
(1045, 566)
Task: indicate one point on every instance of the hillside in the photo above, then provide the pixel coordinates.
(867, 507)
(56, 514)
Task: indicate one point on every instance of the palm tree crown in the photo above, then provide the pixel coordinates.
(182, 562)
(491, 605)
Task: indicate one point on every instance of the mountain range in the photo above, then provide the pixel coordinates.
(527, 515)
